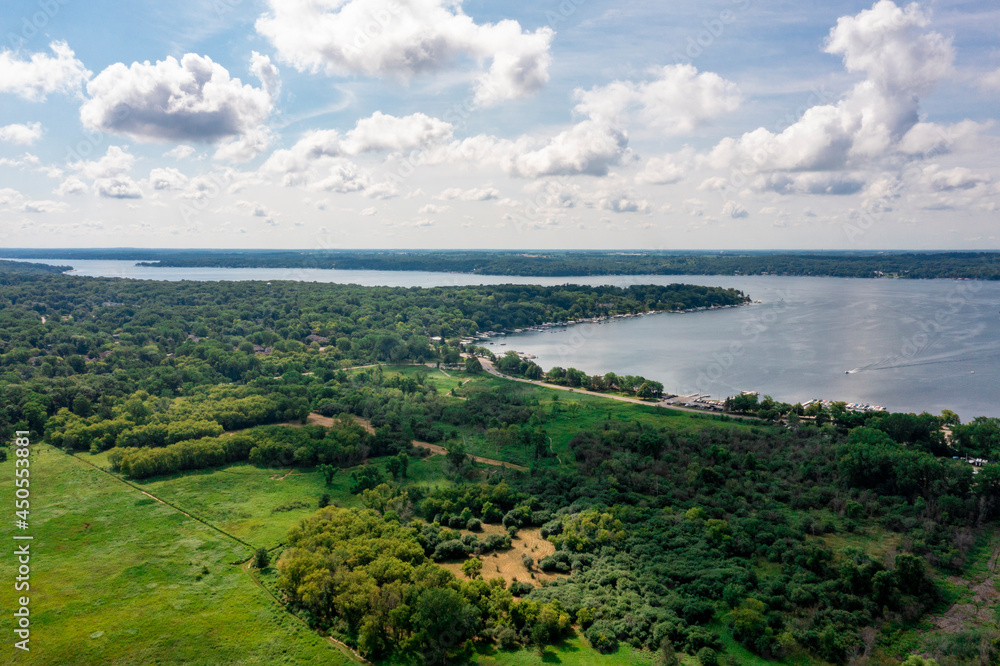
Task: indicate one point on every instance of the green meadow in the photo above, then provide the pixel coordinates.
(121, 578)
(118, 578)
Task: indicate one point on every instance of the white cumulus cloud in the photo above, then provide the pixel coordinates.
(876, 120)
(118, 187)
(404, 38)
(39, 75)
(734, 210)
(956, 178)
(70, 186)
(676, 101)
(433, 209)
(21, 134)
(474, 194)
(167, 179)
(115, 162)
(589, 147)
(43, 206)
(661, 171)
(384, 132)
(193, 99)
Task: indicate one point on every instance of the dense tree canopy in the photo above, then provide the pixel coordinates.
(815, 532)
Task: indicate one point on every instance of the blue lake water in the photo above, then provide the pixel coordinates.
(909, 345)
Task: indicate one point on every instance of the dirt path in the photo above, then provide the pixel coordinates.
(488, 367)
(980, 609)
(437, 449)
(157, 499)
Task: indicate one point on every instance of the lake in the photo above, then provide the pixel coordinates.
(908, 345)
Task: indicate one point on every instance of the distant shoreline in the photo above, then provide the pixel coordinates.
(983, 265)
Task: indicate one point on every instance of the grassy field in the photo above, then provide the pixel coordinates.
(573, 651)
(260, 505)
(443, 380)
(118, 578)
(568, 413)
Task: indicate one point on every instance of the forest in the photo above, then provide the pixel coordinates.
(554, 263)
(800, 536)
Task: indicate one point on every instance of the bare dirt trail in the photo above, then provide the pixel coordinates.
(980, 609)
(435, 449)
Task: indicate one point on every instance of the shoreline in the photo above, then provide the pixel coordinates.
(603, 319)
(143, 263)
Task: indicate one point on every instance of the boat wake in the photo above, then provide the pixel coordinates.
(903, 361)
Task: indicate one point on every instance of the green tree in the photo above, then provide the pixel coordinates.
(82, 406)
(539, 637)
(443, 623)
(473, 567)
(261, 559)
(397, 466)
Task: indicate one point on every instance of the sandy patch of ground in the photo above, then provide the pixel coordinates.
(320, 420)
(507, 564)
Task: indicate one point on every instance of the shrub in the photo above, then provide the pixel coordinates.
(708, 657)
(450, 550)
(493, 542)
(473, 568)
(506, 637)
(602, 638)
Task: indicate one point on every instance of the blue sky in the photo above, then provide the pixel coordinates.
(427, 123)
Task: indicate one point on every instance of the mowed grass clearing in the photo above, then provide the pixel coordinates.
(117, 578)
(260, 505)
(568, 413)
(572, 651)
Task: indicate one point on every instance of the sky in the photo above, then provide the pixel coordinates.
(313, 124)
